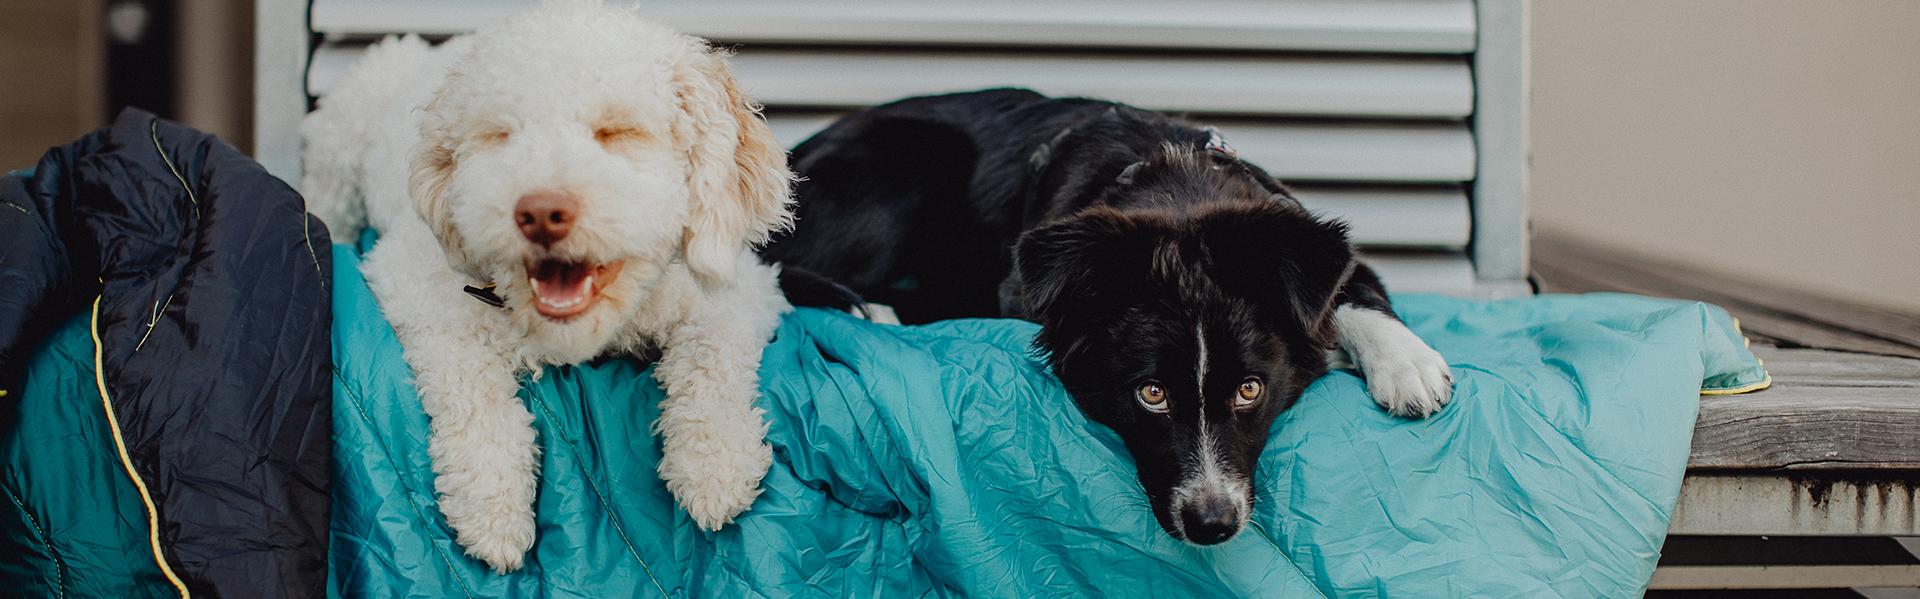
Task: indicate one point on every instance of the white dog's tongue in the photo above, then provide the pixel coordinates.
(562, 289)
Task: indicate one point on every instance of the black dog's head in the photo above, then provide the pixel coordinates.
(1186, 328)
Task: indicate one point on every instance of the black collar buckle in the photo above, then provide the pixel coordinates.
(486, 296)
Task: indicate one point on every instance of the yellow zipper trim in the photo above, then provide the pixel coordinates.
(153, 515)
(153, 131)
(1768, 382)
(1744, 342)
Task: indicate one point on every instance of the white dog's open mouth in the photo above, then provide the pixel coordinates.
(563, 290)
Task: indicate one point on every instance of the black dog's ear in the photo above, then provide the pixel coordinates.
(1280, 256)
(1085, 263)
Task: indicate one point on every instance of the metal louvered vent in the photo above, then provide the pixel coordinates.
(1404, 117)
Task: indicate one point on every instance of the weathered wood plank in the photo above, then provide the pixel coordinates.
(1784, 577)
(1812, 503)
(1809, 427)
(1826, 410)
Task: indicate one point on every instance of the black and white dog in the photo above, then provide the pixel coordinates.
(1185, 298)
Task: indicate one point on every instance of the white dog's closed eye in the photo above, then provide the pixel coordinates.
(610, 205)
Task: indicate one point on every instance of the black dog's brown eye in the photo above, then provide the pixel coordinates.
(1249, 392)
(1153, 398)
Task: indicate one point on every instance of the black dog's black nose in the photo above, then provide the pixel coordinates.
(1210, 520)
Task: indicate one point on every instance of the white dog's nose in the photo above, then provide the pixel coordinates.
(545, 216)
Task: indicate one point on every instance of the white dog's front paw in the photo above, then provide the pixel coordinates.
(716, 479)
(486, 473)
(499, 535)
(505, 550)
(1404, 375)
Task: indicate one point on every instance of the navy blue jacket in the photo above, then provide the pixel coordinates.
(207, 286)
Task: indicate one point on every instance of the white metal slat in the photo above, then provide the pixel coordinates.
(1444, 273)
(279, 102)
(1422, 87)
(1374, 152)
(1500, 249)
(1420, 26)
(1396, 87)
(1404, 216)
(1371, 151)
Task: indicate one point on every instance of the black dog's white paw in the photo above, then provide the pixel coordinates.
(877, 314)
(1410, 381)
(1404, 375)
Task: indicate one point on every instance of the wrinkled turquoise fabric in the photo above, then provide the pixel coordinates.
(944, 461)
(74, 524)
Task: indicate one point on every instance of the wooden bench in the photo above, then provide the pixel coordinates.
(1408, 117)
(1405, 116)
(1832, 449)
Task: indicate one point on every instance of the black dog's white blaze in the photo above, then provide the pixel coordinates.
(1211, 502)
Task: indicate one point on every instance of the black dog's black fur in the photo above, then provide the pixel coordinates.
(807, 289)
(1152, 257)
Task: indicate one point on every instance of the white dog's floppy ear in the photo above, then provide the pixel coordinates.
(739, 180)
(432, 170)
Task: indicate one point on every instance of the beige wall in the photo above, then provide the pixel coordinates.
(216, 68)
(53, 69)
(1777, 139)
(52, 77)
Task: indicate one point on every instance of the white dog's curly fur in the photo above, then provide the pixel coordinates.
(671, 178)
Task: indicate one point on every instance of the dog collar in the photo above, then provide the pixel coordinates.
(486, 296)
(1044, 153)
(1218, 142)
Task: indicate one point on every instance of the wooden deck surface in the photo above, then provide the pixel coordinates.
(1826, 410)
(1846, 377)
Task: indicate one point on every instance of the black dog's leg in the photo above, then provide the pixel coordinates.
(1404, 375)
(807, 289)
(1363, 290)
(882, 209)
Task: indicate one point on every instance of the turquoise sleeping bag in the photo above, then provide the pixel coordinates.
(945, 461)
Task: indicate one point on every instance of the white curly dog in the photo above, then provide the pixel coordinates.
(606, 179)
